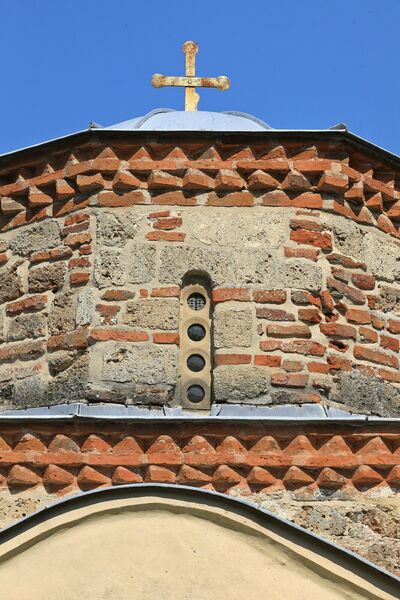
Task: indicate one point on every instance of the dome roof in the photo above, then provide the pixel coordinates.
(167, 119)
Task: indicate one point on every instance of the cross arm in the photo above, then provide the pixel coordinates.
(221, 83)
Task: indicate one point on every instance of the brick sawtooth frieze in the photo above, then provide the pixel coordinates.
(328, 175)
(315, 462)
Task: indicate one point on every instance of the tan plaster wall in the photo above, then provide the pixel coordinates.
(170, 550)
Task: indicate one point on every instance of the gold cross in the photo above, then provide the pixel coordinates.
(190, 82)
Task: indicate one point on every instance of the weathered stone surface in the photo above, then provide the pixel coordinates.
(62, 313)
(303, 275)
(382, 256)
(29, 392)
(2, 321)
(251, 229)
(85, 307)
(109, 270)
(177, 261)
(59, 361)
(70, 384)
(7, 395)
(36, 238)
(242, 385)
(115, 230)
(366, 394)
(232, 328)
(141, 364)
(116, 393)
(348, 236)
(141, 263)
(11, 286)
(153, 395)
(266, 269)
(159, 313)
(27, 326)
(388, 300)
(47, 277)
(257, 266)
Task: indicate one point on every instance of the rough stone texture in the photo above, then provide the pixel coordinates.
(259, 229)
(232, 328)
(140, 364)
(59, 361)
(108, 268)
(389, 300)
(153, 313)
(36, 238)
(10, 284)
(370, 528)
(62, 313)
(48, 277)
(366, 394)
(382, 256)
(2, 322)
(30, 392)
(348, 236)
(243, 385)
(141, 263)
(27, 326)
(114, 230)
(85, 308)
(70, 384)
(177, 261)
(267, 269)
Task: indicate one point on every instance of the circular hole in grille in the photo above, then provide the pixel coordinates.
(195, 362)
(195, 393)
(196, 301)
(196, 332)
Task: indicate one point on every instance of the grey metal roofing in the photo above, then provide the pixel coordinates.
(167, 119)
(362, 567)
(288, 413)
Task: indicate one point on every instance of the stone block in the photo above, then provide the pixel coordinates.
(36, 238)
(109, 270)
(26, 326)
(47, 277)
(232, 328)
(382, 256)
(62, 313)
(389, 300)
(29, 392)
(153, 313)
(237, 228)
(70, 384)
(140, 364)
(115, 230)
(366, 394)
(141, 262)
(241, 385)
(11, 286)
(84, 308)
(175, 262)
(303, 275)
(348, 236)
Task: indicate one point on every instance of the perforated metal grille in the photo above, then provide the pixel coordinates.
(196, 301)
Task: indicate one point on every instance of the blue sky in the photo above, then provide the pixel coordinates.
(301, 64)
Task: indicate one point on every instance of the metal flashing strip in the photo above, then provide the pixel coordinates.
(340, 132)
(308, 413)
(367, 570)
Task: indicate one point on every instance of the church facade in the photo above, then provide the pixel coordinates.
(198, 299)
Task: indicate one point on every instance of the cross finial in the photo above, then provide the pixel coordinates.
(190, 81)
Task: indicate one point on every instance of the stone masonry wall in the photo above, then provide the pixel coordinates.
(299, 240)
